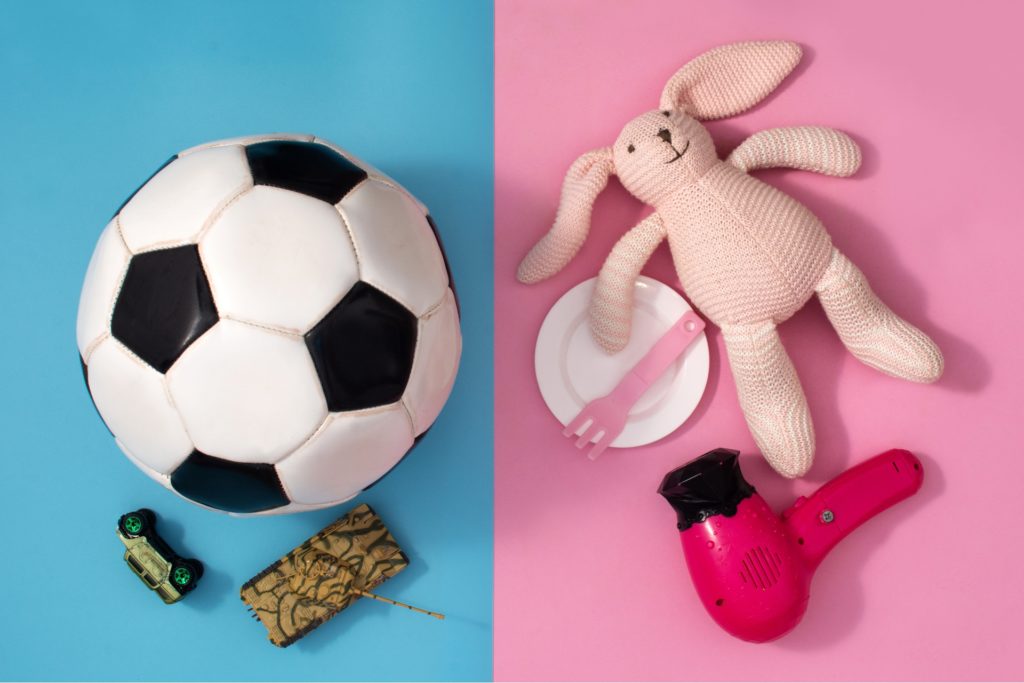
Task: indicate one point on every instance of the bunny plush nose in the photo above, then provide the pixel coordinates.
(665, 135)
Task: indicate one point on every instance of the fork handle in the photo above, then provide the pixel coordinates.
(659, 358)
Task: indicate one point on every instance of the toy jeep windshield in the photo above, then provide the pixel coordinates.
(150, 558)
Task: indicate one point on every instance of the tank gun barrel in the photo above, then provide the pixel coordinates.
(381, 598)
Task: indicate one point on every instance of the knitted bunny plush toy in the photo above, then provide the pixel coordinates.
(747, 255)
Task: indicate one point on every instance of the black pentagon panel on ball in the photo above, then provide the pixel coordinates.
(164, 305)
(305, 167)
(228, 485)
(151, 176)
(363, 349)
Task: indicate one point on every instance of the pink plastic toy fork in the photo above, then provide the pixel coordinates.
(605, 417)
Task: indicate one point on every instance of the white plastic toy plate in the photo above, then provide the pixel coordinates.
(573, 370)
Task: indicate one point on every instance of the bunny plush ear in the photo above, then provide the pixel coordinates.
(730, 79)
(586, 178)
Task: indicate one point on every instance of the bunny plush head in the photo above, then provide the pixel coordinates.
(662, 150)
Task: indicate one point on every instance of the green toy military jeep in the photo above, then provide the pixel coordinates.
(152, 560)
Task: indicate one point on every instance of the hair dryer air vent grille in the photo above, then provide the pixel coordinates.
(761, 567)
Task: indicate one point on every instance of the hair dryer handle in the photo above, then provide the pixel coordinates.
(819, 522)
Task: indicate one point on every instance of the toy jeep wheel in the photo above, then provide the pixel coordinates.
(184, 575)
(134, 524)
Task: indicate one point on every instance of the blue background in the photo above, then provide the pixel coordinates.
(94, 97)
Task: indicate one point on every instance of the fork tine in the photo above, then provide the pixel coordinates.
(586, 436)
(577, 422)
(599, 446)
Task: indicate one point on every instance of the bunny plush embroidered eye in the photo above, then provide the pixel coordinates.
(748, 256)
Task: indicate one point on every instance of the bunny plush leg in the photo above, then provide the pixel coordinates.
(870, 330)
(611, 308)
(771, 397)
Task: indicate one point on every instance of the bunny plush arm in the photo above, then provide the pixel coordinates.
(611, 307)
(809, 148)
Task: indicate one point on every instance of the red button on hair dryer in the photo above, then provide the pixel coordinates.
(753, 569)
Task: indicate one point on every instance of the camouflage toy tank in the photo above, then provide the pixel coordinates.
(324, 575)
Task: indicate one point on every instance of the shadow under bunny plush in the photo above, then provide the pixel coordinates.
(748, 256)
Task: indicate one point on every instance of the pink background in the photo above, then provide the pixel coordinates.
(590, 579)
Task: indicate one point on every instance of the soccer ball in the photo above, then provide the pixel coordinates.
(268, 325)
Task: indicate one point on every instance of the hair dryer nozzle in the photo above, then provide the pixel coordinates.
(709, 485)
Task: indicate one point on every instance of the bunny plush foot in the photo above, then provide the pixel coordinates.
(771, 397)
(870, 330)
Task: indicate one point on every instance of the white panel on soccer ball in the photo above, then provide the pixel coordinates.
(348, 454)
(102, 282)
(131, 398)
(248, 140)
(279, 258)
(391, 182)
(398, 253)
(438, 347)
(247, 394)
(172, 208)
(162, 479)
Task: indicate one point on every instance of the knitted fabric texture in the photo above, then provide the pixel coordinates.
(809, 148)
(731, 78)
(744, 251)
(870, 330)
(748, 255)
(611, 308)
(586, 178)
(771, 397)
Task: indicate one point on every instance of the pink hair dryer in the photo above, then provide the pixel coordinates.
(753, 569)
